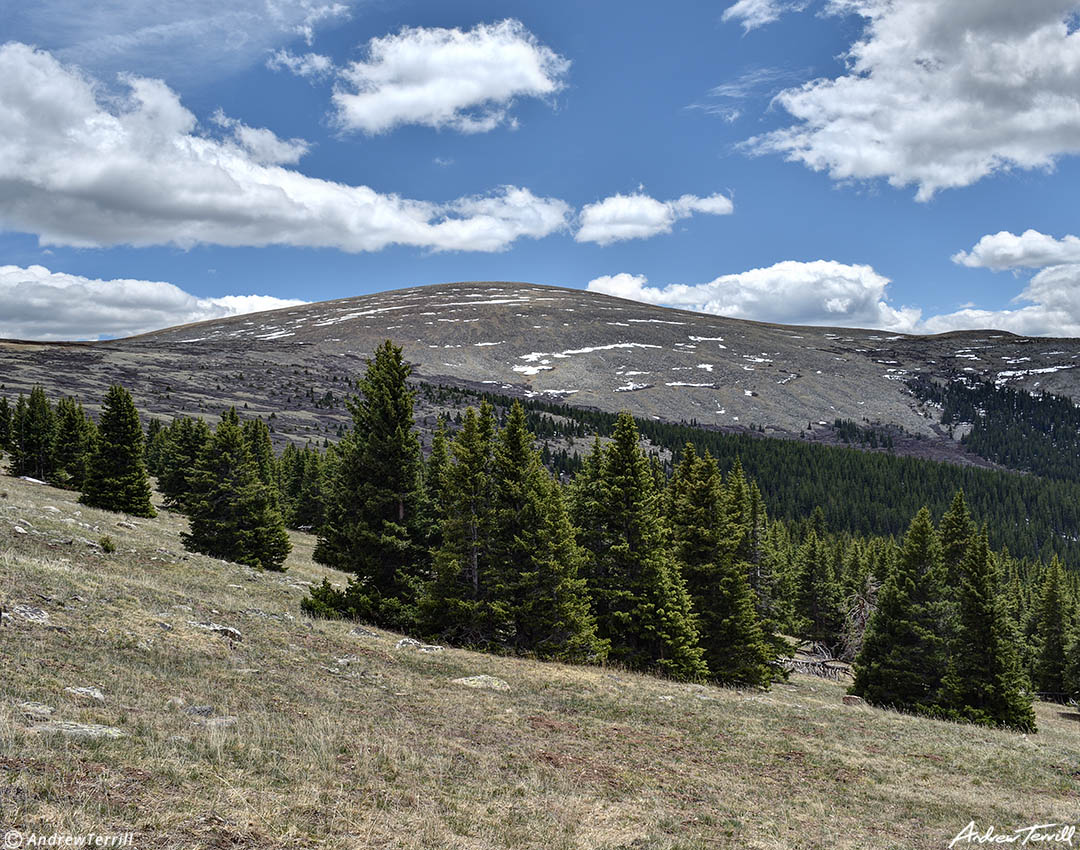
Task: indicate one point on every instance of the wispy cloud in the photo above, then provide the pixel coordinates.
(639, 216)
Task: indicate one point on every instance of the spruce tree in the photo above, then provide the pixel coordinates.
(374, 525)
(535, 560)
(1052, 634)
(5, 425)
(76, 434)
(459, 605)
(233, 515)
(257, 436)
(34, 426)
(984, 682)
(902, 660)
(183, 443)
(956, 531)
(639, 597)
(819, 602)
(116, 480)
(706, 545)
(155, 439)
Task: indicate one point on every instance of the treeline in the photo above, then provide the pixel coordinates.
(684, 575)
(1020, 430)
(221, 479)
(1032, 517)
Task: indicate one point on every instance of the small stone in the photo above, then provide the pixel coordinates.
(200, 710)
(851, 699)
(36, 710)
(19, 529)
(85, 695)
(217, 722)
(125, 524)
(227, 632)
(411, 643)
(483, 682)
(360, 631)
(30, 614)
(78, 730)
(50, 509)
(165, 626)
(666, 698)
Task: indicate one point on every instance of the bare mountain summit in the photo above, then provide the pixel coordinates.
(587, 349)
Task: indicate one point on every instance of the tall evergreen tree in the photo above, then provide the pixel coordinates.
(76, 435)
(460, 604)
(257, 436)
(1052, 635)
(155, 439)
(902, 661)
(183, 443)
(374, 525)
(984, 682)
(34, 426)
(535, 559)
(956, 531)
(706, 544)
(819, 600)
(5, 425)
(639, 597)
(233, 514)
(117, 480)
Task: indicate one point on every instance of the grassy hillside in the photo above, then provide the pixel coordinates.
(320, 736)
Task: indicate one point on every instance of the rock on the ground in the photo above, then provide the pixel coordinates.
(200, 710)
(78, 730)
(227, 632)
(85, 695)
(216, 722)
(30, 614)
(411, 643)
(851, 699)
(360, 631)
(483, 682)
(36, 710)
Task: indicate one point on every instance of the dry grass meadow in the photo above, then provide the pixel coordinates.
(342, 740)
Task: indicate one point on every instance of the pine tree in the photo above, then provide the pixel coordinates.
(116, 480)
(1051, 636)
(183, 443)
(257, 436)
(76, 435)
(639, 597)
(232, 513)
(706, 544)
(902, 661)
(535, 560)
(155, 439)
(984, 683)
(374, 525)
(5, 425)
(34, 426)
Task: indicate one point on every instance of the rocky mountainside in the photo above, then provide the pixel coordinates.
(584, 348)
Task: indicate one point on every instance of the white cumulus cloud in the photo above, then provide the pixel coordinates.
(639, 216)
(464, 80)
(822, 292)
(1030, 250)
(77, 169)
(940, 94)
(44, 305)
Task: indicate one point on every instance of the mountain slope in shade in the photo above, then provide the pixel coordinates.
(584, 348)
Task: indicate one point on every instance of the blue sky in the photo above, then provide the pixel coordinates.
(904, 164)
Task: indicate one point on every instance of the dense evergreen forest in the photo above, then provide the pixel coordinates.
(1020, 430)
(860, 493)
(704, 567)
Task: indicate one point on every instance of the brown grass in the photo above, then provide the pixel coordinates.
(345, 741)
